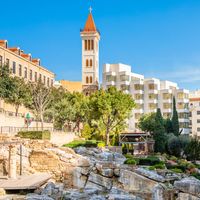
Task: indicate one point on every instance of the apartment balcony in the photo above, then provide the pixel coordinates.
(126, 92)
(184, 120)
(167, 110)
(138, 92)
(124, 82)
(182, 110)
(185, 131)
(111, 83)
(153, 91)
(111, 73)
(153, 101)
(182, 100)
(152, 110)
(167, 100)
(139, 101)
(140, 110)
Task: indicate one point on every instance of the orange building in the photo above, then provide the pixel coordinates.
(71, 86)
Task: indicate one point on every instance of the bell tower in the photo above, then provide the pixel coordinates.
(90, 56)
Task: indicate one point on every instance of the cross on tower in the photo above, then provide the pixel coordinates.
(90, 9)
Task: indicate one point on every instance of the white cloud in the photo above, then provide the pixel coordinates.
(182, 75)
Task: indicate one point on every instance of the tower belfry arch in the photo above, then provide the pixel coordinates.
(90, 55)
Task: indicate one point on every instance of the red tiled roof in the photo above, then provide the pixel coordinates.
(90, 24)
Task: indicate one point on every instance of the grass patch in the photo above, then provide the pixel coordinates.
(35, 135)
(84, 143)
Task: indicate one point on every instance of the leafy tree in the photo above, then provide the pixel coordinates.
(65, 113)
(80, 105)
(174, 146)
(175, 122)
(168, 125)
(5, 82)
(159, 133)
(112, 108)
(147, 123)
(19, 93)
(41, 99)
(192, 150)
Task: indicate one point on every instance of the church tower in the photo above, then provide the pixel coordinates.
(90, 56)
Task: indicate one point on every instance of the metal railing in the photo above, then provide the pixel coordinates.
(14, 130)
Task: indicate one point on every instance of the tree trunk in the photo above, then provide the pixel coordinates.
(16, 110)
(107, 136)
(42, 121)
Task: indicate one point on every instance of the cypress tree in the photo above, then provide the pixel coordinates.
(175, 122)
(168, 126)
(159, 133)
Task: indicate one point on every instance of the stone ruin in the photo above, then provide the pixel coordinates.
(95, 174)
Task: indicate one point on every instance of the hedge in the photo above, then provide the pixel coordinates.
(35, 135)
(84, 143)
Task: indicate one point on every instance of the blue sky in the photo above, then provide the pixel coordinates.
(158, 38)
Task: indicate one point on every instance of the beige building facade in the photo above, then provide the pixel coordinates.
(149, 94)
(23, 66)
(195, 113)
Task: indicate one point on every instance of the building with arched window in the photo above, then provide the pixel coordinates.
(90, 56)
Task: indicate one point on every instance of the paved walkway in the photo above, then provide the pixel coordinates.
(31, 182)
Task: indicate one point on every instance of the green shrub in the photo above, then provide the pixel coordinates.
(159, 166)
(101, 144)
(130, 161)
(176, 170)
(151, 168)
(84, 143)
(174, 158)
(128, 156)
(196, 175)
(35, 135)
(150, 160)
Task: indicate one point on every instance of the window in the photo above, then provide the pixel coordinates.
(139, 96)
(139, 106)
(152, 87)
(14, 68)
(124, 78)
(31, 74)
(7, 62)
(138, 115)
(87, 63)
(20, 70)
(90, 62)
(198, 112)
(48, 81)
(52, 83)
(92, 44)
(25, 72)
(138, 87)
(40, 77)
(90, 79)
(153, 96)
(198, 121)
(167, 105)
(87, 79)
(86, 45)
(1, 60)
(44, 79)
(35, 76)
(110, 78)
(198, 129)
(167, 96)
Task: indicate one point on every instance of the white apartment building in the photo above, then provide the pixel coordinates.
(149, 94)
(195, 113)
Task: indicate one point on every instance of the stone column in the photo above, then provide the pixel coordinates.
(12, 162)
